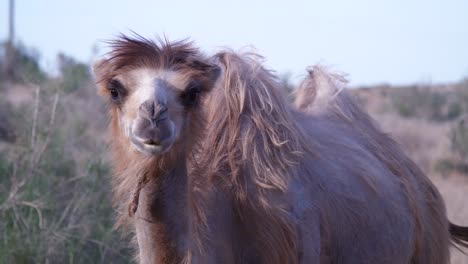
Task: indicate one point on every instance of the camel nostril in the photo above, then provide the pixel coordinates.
(152, 142)
(159, 114)
(155, 112)
(147, 109)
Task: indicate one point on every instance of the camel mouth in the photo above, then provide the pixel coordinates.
(151, 146)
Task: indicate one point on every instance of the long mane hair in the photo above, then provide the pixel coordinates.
(251, 143)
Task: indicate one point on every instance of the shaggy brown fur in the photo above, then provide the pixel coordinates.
(322, 93)
(252, 180)
(251, 143)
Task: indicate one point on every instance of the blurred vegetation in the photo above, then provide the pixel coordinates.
(459, 142)
(440, 106)
(422, 102)
(73, 74)
(6, 121)
(443, 109)
(26, 65)
(55, 198)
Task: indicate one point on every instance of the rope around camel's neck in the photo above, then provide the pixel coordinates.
(145, 178)
(133, 206)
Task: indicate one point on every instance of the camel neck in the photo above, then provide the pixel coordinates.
(161, 218)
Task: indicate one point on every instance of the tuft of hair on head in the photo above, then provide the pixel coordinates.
(130, 52)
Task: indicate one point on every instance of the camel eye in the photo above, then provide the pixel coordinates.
(115, 90)
(190, 95)
(114, 93)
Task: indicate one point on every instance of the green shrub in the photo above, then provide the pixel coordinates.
(445, 165)
(454, 111)
(406, 101)
(74, 74)
(26, 65)
(421, 102)
(459, 140)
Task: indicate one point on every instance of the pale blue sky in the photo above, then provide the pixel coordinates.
(394, 41)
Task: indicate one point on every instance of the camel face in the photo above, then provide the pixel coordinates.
(153, 112)
(154, 89)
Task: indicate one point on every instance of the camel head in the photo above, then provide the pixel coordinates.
(153, 89)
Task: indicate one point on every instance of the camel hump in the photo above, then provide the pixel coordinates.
(320, 87)
(322, 92)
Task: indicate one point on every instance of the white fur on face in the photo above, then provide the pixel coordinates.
(141, 85)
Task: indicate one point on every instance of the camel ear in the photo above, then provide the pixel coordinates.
(99, 70)
(211, 72)
(214, 71)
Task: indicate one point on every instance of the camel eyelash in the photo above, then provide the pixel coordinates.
(116, 90)
(190, 95)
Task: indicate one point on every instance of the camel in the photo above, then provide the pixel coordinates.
(213, 165)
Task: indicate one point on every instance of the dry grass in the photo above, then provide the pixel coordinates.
(54, 196)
